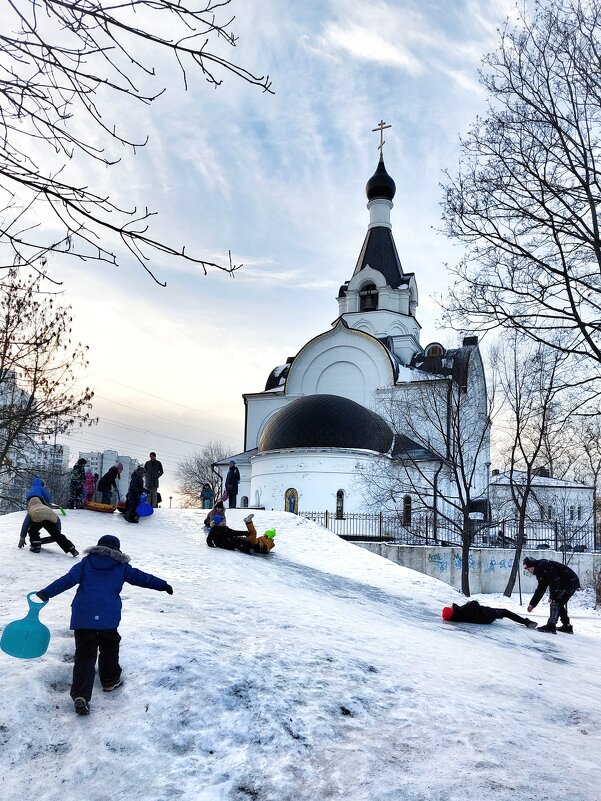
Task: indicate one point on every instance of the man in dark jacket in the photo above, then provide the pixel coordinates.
(232, 480)
(96, 614)
(474, 612)
(154, 470)
(562, 583)
(136, 488)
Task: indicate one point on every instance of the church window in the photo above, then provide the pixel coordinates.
(244, 502)
(550, 513)
(291, 501)
(571, 512)
(407, 510)
(579, 512)
(435, 350)
(368, 298)
(257, 499)
(340, 504)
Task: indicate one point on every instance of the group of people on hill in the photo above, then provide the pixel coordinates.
(84, 485)
(101, 574)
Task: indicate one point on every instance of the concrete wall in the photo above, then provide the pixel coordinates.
(489, 567)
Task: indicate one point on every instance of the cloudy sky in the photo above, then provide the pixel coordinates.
(278, 180)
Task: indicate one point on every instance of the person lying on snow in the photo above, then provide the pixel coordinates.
(221, 536)
(474, 612)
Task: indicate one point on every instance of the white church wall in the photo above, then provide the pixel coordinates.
(316, 476)
(259, 409)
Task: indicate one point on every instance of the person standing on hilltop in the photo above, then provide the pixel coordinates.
(154, 470)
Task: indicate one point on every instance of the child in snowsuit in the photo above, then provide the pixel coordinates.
(39, 490)
(562, 583)
(220, 536)
(43, 517)
(78, 476)
(96, 614)
(218, 509)
(108, 482)
(136, 488)
(474, 612)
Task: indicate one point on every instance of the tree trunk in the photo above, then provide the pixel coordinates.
(517, 559)
(466, 541)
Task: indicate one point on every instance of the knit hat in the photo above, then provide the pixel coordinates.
(109, 541)
(270, 533)
(529, 562)
(447, 613)
(120, 467)
(217, 519)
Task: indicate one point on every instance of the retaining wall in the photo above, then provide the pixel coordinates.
(489, 567)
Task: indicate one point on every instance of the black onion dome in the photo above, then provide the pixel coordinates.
(326, 421)
(380, 185)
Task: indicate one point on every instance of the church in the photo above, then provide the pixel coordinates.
(350, 410)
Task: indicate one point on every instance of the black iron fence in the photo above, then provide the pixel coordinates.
(389, 527)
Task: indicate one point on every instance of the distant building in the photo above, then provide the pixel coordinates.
(100, 461)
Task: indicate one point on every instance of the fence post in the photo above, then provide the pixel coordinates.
(326, 519)
(427, 523)
(380, 524)
(556, 534)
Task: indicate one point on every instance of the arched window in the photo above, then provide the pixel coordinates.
(368, 298)
(244, 502)
(291, 501)
(340, 504)
(435, 349)
(407, 510)
(257, 499)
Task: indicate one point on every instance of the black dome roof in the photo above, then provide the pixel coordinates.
(380, 185)
(326, 421)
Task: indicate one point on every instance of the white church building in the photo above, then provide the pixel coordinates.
(319, 423)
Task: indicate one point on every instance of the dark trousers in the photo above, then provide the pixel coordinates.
(511, 615)
(107, 496)
(231, 498)
(559, 606)
(53, 530)
(89, 646)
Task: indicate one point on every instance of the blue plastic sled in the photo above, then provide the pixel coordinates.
(27, 638)
(144, 509)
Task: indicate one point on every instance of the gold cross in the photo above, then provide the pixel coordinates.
(380, 127)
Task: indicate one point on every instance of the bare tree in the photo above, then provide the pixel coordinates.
(63, 66)
(537, 401)
(38, 366)
(525, 201)
(197, 469)
(440, 457)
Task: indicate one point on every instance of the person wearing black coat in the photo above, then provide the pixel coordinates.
(108, 483)
(474, 612)
(562, 583)
(232, 480)
(136, 488)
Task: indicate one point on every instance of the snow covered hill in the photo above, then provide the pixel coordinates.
(318, 672)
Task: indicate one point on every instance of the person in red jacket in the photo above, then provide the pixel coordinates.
(474, 612)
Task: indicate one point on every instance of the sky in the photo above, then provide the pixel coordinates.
(279, 181)
(320, 672)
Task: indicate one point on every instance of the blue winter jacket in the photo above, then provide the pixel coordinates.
(100, 575)
(38, 490)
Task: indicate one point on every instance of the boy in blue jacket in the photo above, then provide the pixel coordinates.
(96, 614)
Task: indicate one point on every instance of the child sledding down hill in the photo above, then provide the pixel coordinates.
(220, 536)
(96, 613)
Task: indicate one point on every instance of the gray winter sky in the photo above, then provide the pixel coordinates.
(280, 181)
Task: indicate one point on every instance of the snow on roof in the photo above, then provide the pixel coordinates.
(520, 477)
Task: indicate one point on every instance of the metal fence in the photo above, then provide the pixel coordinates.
(389, 527)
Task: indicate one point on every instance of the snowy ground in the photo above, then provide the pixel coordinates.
(318, 672)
